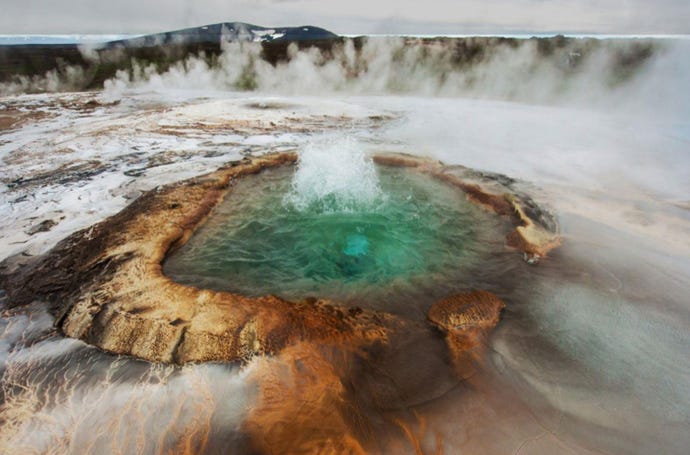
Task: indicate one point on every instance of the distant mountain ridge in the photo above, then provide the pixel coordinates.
(227, 31)
(99, 61)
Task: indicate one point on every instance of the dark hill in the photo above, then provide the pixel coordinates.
(228, 31)
(161, 49)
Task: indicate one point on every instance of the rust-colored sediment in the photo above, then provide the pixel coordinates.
(106, 285)
(466, 318)
(471, 310)
(304, 407)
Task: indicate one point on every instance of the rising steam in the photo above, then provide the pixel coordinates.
(549, 70)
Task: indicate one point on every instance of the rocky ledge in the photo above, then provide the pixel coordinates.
(105, 284)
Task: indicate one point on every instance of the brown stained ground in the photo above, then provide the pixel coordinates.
(466, 320)
(15, 113)
(12, 118)
(305, 407)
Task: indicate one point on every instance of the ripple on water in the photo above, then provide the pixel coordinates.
(420, 236)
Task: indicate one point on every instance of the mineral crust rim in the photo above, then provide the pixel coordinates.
(106, 286)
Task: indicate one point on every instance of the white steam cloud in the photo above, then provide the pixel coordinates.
(584, 72)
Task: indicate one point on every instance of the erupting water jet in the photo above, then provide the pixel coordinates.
(341, 227)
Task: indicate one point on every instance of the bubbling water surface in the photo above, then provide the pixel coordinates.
(410, 238)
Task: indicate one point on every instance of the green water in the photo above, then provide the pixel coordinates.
(420, 240)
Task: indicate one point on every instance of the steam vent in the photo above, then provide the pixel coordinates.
(112, 286)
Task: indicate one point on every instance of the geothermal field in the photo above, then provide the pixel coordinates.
(236, 239)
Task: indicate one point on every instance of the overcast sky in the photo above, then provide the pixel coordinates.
(350, 16)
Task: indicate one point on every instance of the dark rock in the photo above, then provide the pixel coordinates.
(43, 226)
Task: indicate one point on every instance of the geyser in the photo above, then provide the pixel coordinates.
(340, 227)
(419, 234)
